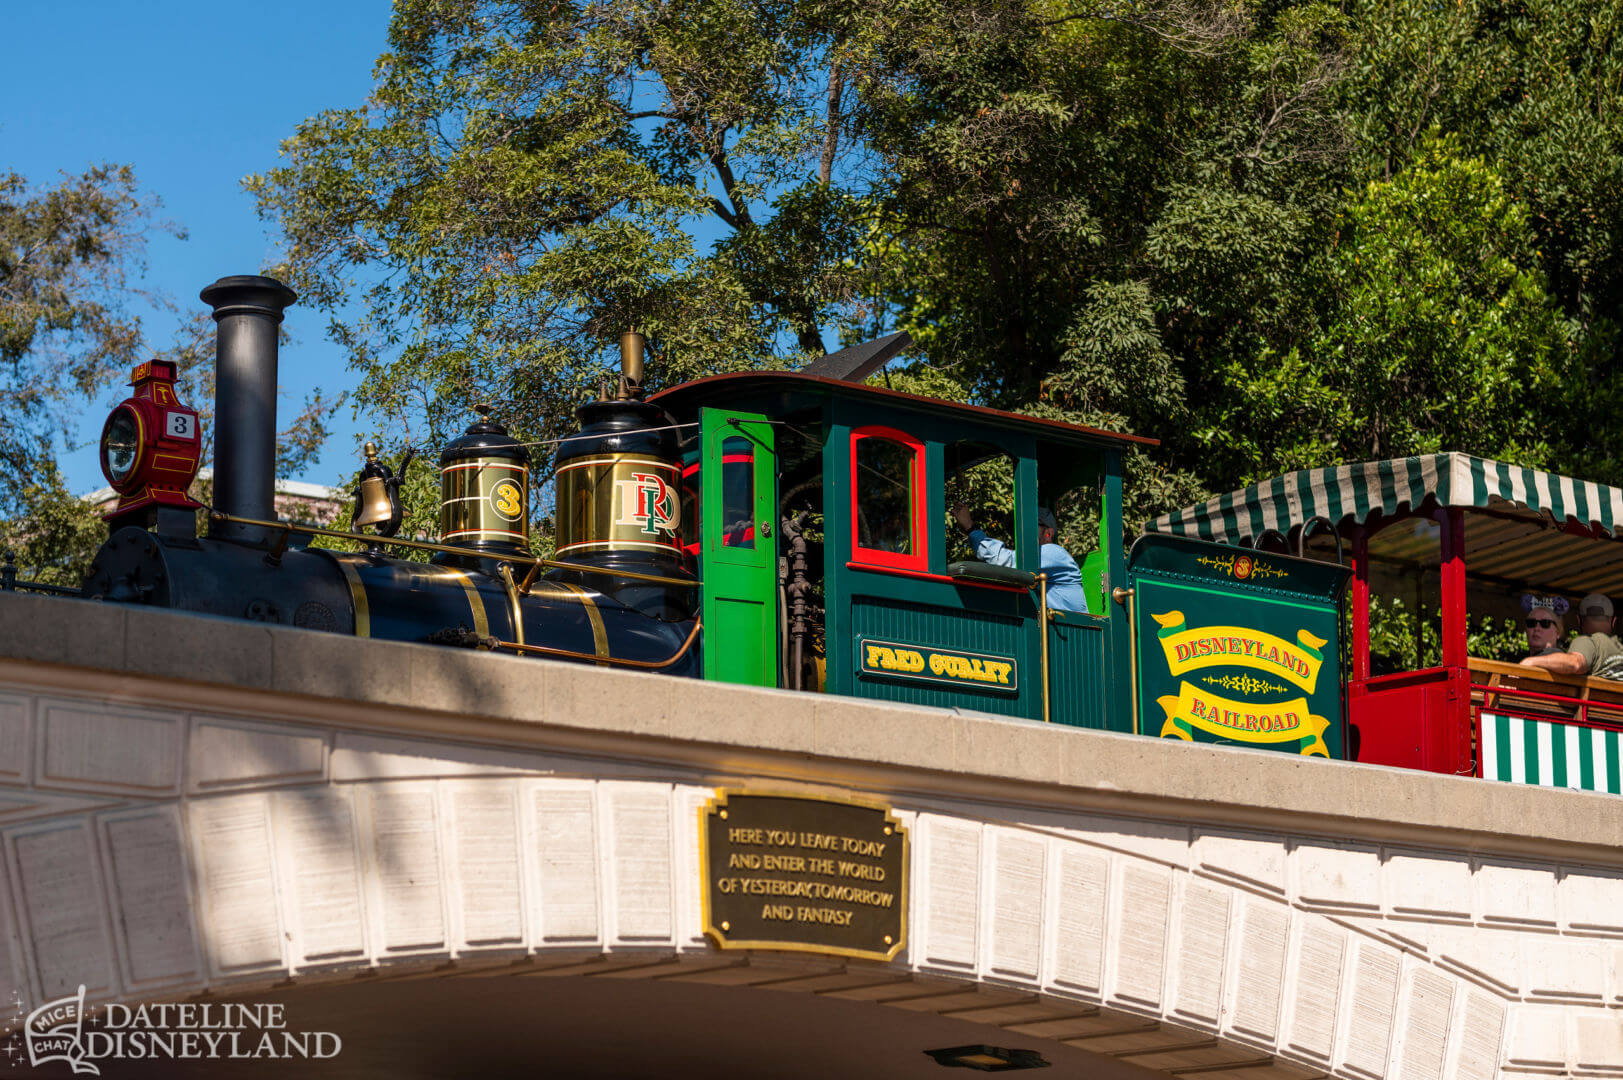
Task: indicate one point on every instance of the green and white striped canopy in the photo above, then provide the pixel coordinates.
(1347, 494)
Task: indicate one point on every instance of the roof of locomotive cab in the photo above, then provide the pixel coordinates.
(796, 390)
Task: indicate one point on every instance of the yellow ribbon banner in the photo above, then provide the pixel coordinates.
(1237, 646)
(1287, 721)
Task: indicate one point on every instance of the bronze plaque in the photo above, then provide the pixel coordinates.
(803, 873)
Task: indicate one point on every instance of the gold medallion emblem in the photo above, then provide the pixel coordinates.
(506, 500)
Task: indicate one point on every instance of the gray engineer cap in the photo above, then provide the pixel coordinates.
(1045, 519)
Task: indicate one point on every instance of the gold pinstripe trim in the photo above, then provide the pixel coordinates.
(600, 635)
(620, 545)
(487, 465)
(586, 463)
(476, 603)
(483, 534)
(430, 574)
(357, 593)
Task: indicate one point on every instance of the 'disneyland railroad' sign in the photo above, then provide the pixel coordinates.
(805, 874)
(1238, 646)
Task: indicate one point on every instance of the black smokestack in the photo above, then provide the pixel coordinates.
(247, 313)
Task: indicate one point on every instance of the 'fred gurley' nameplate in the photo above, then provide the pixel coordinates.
(803, 873)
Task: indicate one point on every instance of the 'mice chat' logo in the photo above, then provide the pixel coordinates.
(55, 1032)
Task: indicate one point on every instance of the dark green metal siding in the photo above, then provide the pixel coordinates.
(1077, 673)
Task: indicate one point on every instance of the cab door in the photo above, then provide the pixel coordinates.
(738, 471)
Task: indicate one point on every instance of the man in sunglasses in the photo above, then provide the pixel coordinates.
(1595, 651)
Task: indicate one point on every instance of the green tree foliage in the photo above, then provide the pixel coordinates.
(528, 181)
(1535, 89)
(66, 258)
(1133, 192)
(55, 533)
(1401, 641)
(71, 256)
(68, 254)
(1272, 233)
(1438, 334)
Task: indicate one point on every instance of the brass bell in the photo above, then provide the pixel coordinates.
(377, 500)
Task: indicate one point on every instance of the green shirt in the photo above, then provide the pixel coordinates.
(1595, 648)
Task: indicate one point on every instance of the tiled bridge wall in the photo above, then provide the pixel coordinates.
(309, 808)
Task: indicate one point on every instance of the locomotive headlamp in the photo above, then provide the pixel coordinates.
(120, 444)
(151, 445)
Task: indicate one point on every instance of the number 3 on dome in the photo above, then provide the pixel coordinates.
(180, 425)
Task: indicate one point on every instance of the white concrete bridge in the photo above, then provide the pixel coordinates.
(470, 865)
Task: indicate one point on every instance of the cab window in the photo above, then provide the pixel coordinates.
(981, 476)
(737, 492)
(737, 525)
(887, 491)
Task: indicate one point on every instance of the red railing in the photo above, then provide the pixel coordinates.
(1487, 697)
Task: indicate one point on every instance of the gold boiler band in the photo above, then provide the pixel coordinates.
(619, 502)
(485, 499)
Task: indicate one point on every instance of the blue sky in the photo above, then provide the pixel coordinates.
(195, 96)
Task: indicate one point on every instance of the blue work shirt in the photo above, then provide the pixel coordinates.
(1064, 576)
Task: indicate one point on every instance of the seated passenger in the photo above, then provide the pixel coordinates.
(1544, 626)
(1594, 650)
(1064, 576)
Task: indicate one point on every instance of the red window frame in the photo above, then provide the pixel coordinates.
(918, 559)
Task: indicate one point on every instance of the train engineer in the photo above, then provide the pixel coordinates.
(1064, 576)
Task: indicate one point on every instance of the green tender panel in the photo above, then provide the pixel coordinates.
(1550, 753)
(1237, 646)
(1076, 671)
(943, 628)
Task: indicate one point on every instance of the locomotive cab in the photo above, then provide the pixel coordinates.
(823, 534)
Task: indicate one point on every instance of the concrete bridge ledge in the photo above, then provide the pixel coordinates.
(478, 696)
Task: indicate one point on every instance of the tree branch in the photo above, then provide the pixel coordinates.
(716, 151)
(723, 213)
(831, 133)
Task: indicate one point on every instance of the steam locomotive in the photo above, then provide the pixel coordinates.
(773, 528)
(621, 599)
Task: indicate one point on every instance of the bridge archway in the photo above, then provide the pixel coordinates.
(1150, 944)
